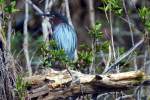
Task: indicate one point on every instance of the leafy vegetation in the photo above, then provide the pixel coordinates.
(53, 57)
(21, 87)
(113, 5)
(144, 14)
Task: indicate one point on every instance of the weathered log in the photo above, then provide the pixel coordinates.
(56, 85)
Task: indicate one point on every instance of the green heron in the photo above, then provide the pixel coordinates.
(63, 34)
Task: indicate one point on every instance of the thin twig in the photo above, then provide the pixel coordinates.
(123, 56)
(111, 34)
(112, 37)
(125, 97)
(92, 23)
(92, 68)
(132, 39)
(35, 7)
(108, 60)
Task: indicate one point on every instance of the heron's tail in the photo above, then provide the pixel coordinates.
(75, 56)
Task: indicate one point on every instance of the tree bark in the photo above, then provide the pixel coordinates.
(7, 77)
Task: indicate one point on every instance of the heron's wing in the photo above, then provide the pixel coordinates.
(65, 37)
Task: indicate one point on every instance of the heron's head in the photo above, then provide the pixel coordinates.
(56, 18)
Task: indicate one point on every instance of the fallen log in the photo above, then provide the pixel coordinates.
(60, 85)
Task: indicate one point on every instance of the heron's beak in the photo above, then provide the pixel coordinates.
(48, 15)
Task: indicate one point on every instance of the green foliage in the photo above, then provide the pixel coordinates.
(105, 46)
(21, 86)
(36, 45)
(16, 42)
(8, 7)
(85, 57)
(51, 55)
(2, 1)
(95, 32)
(121, 50)
(99, 41)
(113, 5)
(100, 44)
(11, 8)
(144, 14)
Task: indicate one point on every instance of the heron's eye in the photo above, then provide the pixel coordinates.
(53, 16)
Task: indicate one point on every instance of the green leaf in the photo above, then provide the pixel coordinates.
(105, 46)
(121, 50)
(2, 1)
(98, 26)
(11, 8)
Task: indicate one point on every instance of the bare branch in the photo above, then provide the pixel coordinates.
(123, 56)
(91, 12)
(46, 26)
(25, 44)
(35, 7)
(9, 32)
(131, 32)
(108, 60)
(68, 12)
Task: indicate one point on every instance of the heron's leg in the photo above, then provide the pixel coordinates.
(69, 71)
(75, 78)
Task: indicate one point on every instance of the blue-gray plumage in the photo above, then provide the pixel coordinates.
(66, 39)
(64, 35)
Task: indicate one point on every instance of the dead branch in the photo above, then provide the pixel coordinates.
(26, 37)
(123, 56)
(56, 85)
(9, 32)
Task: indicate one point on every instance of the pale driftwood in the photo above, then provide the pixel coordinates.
(56, 85)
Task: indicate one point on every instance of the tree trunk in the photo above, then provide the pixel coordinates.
(7, 77)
